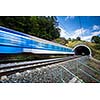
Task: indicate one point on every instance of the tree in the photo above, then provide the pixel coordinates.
(97, 46)
(64, 41)
(61, 40)
(19, 23)
(78, 38)
(69, 39)
(73, 40)
(95, 39)
(40, 26)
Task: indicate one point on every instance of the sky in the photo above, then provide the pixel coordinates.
(83, 26)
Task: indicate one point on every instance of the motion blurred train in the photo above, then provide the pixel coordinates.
(12, 42)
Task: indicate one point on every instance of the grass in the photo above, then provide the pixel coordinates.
(94, 65)
(72, 44)
(95, 52)
(92, 46)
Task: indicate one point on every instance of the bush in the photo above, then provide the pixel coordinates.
(97, 46)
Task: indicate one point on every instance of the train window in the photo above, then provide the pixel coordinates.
(10, 39)
(59, 48)
(34, 44)
(49, 46)
(64, 49)
(46, 45)
(52, 47)
(55, 47)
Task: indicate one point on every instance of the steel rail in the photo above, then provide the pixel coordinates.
(89, 75)
(73, 74)
(8, 70)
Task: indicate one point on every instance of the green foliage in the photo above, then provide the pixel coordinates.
(40, 26)
(97, 46)
(73, 40)
(61, 40)
(78, 38)
(69, 39)
(95, 39)
(73, 43)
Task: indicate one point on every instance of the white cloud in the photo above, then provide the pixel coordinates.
(96, 27)
(75, 34)
(69, 17)
(64, 34)
(78, 32)
(88, 38)
(95, 33)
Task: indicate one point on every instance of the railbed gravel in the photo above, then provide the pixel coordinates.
(46, 74)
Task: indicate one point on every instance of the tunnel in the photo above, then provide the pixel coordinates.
(82, 50)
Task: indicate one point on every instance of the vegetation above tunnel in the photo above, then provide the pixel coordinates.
(95, 47)
(92, 46)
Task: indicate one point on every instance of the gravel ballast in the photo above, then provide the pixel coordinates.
(46, 74)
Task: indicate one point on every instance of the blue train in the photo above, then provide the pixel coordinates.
(12, 41)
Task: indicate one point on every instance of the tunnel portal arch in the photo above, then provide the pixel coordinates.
(82, 49)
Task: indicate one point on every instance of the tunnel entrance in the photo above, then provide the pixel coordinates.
(82, 50)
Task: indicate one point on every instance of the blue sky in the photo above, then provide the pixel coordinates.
(82, 26)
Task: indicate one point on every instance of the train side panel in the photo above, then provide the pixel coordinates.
(17, 42)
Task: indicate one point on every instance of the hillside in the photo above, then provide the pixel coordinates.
(95, 48)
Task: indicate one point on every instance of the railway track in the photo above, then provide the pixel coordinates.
(69, 69)
(82, 71)
(11, 68)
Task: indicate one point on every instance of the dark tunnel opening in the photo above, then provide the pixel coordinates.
(82, 50)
